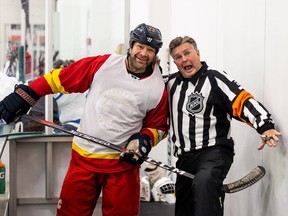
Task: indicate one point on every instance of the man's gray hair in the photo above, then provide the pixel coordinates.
(180, 40)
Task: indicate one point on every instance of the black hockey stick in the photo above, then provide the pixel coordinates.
(254, 176)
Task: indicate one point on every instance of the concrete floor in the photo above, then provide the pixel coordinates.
(148, 209)
(156, 209)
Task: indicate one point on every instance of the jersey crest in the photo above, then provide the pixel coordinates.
(195, 103)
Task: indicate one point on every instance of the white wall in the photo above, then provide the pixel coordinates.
(275, 190)
(102, 22)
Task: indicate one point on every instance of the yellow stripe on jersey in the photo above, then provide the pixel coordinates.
(237, 106)
(155, 135)
(87, 154)
(54, 82)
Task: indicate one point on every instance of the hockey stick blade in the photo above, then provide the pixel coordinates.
(254, 176)
(106, 144)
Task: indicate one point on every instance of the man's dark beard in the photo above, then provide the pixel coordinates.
(148, 71)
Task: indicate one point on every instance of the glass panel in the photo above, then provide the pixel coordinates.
(80, 29)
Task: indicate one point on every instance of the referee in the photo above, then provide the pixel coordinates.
(202, 103)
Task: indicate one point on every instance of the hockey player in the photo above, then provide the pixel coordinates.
(126, 105)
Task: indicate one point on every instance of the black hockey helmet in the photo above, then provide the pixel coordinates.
(148, 35)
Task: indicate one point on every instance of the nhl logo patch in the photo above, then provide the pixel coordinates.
(195, 103)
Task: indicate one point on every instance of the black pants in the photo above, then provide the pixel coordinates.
(203, 195)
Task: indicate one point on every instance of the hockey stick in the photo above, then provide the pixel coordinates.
(106, 144)
(254, 176)
(251, 178)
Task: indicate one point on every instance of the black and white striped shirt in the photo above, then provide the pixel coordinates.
(202, 107)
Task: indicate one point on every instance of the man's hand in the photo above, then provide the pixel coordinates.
(17, 103)
(139, 145)
(269, 137)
